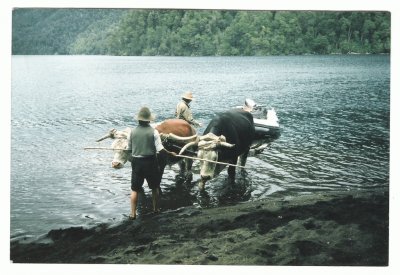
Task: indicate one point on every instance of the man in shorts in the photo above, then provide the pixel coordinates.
(145, 143)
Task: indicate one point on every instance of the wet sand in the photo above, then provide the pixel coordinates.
(322, 229)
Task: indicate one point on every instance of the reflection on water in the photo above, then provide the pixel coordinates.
(334, 113)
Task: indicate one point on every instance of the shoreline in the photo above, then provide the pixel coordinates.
(318, 229)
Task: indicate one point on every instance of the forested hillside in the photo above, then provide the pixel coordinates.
(197, 33)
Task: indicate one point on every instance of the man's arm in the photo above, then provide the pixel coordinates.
(158, 144)
(187, 115)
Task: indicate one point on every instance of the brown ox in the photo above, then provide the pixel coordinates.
(175, 133)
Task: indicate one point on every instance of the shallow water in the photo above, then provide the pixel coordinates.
(333, 110)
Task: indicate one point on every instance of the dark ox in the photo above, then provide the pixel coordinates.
(174, 133)
(227, 137)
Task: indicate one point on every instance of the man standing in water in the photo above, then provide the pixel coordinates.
(145, 143)
(183, 109)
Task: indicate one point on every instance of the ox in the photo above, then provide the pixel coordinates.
(174, 133)
(227, 137)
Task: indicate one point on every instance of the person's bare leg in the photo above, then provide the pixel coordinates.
(155, 193)
(134, 201)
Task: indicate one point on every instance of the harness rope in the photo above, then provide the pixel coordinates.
(213, 161)
(180, 156)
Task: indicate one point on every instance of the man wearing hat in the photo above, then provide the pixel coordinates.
(145, 143)
(183, 109)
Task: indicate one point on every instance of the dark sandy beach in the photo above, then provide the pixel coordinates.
(323, 229)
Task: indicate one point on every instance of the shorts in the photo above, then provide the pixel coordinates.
(145, 169)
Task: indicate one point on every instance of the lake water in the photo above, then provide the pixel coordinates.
(333, 110)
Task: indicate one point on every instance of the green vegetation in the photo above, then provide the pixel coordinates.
(198, 33)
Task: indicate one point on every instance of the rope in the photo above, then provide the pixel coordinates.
(213, 161)
(180, 156)
(104, 148)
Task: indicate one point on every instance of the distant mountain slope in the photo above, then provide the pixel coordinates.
(197, 32)
(55, 31)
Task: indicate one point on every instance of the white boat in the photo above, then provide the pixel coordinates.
(266, 123)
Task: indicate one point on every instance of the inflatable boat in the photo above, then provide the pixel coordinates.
(266, 123)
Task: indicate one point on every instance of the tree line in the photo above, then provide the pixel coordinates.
(132, 32)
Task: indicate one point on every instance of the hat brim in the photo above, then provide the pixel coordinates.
(188, 98)
(151, 118)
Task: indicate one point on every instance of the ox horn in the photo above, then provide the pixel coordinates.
(109, 135)
(187, 146)
(179, 138)
(226, 144)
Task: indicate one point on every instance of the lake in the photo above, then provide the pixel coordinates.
(334, 112)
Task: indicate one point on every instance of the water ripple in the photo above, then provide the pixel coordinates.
(334, 134)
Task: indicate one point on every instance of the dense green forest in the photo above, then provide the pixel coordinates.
(198, 32)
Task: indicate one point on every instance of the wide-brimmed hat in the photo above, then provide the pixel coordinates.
(188, 95)
(144, 114)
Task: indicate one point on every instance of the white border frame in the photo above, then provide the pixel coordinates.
(6, 7)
